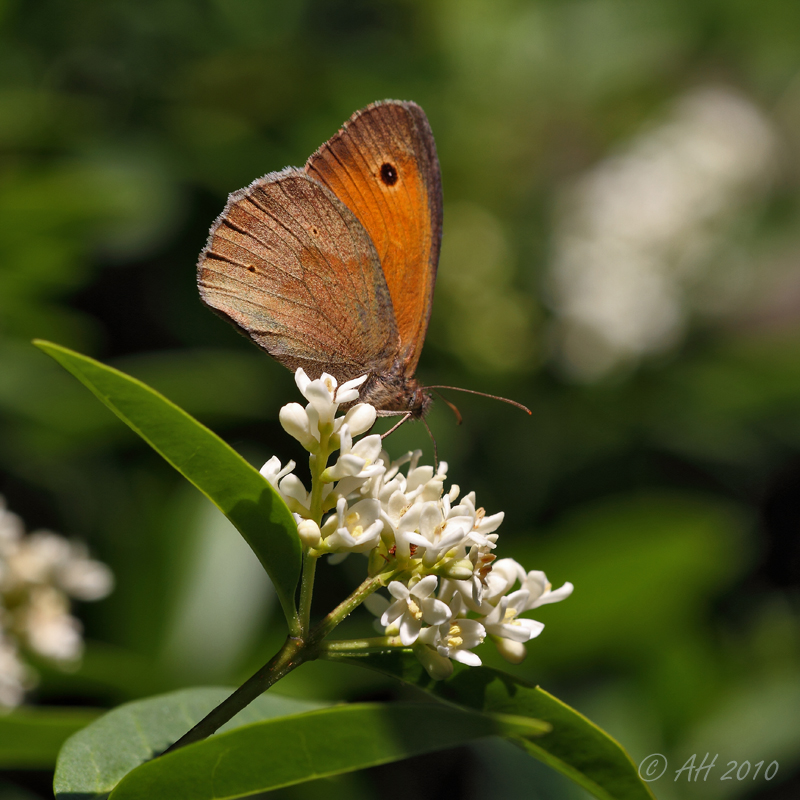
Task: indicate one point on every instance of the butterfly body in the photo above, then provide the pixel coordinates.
(394, 393)
(332, 267)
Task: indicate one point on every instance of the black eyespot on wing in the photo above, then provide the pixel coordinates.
(389, 174)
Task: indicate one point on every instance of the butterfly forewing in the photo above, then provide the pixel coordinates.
(293, 268)
(383, 166)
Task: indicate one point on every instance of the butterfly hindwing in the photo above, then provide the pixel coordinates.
(292, 267)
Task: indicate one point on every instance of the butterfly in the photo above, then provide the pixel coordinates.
(332, 267)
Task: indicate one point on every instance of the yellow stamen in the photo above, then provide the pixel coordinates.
(454, 638)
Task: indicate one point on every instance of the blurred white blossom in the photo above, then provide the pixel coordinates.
(637, 233)
(39, 572)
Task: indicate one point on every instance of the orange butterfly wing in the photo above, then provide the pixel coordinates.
(383, 166)
(292, 267)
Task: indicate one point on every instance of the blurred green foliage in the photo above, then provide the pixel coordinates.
(668, 493)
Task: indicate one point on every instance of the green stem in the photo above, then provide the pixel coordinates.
(344, 609)
(290, 656)
(317, 463)
(373, 644)
(295, 651)
(306, 592)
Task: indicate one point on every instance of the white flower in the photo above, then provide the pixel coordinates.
(354, 530)
(356, 461)
(503, 620)
(325, 395)
(49, 629)
(541, 591)
(12, 528)
(348, 391)
(321, 395)
(36, 557)
(455, 638)
(15, 676)
(83, 577)
(438, 537)
(273, 471)
(504, 574)
(38, 574)
(439, 667)
(44, 557)
(413, 606)
(294, 492)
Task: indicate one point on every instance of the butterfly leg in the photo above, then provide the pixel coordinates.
(435, 448)
(394, 427)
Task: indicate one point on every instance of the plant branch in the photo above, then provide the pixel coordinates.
(290, 656)
(307, 592)
(344, 609)
(295, 651)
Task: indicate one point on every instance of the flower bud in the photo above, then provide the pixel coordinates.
(437, 666)
(513, 652)
(460, 570)
(295, 422)
(309, 532)
(360, 418)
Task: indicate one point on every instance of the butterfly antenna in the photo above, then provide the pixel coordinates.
(394, 427)
(435, 448)
(452, 406)
(483, 394)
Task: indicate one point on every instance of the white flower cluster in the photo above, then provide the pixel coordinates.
(434, 549)
(38, 573)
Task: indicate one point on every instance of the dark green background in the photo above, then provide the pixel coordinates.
(667, 493)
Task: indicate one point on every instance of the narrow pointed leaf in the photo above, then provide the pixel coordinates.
(216, 469)
(575, 746)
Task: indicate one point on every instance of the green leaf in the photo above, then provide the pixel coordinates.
(318, 744)
(95, 759)
(30, 738)
(216, 469)
(575, 746)
(276, 741)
